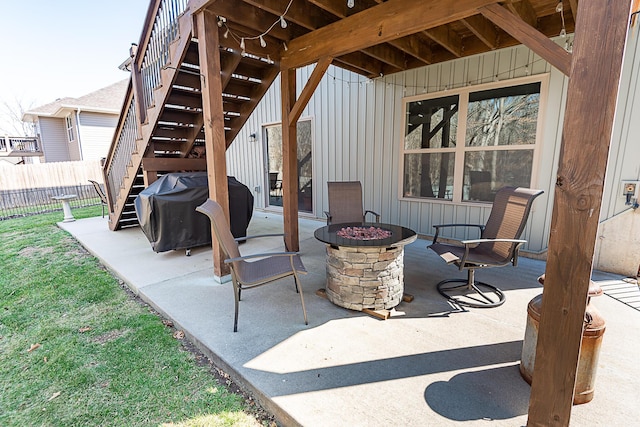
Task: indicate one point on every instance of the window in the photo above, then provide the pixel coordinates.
(467, 145)
(69, 123)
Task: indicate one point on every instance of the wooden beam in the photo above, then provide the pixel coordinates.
(529, 36)
(309, 89)
(289, 161)
(311, 17)
(482, 29)
(573, 4)
(213, 115)
(587, 130)
(387, 21)
(446, 38)
(524, 10)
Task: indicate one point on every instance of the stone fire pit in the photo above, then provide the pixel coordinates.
(365, 268)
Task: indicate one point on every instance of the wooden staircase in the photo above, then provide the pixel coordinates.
(160, 129)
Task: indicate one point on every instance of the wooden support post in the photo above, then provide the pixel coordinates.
(591, 101)
(209, 54)
(289, 161)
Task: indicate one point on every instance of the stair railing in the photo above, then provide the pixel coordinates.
(156, 48)
(116, 168)
(148, 59)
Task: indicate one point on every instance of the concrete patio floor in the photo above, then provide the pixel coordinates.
(430, 364)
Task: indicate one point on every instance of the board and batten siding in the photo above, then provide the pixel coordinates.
(53, 135)
(96, 132)
(357, 133)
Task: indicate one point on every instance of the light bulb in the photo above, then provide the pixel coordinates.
(283, 23)
(242, 45)
(563, 33)
(559, 6)
(285, 46)
(351, 3)
(262, 42)
(226, 34)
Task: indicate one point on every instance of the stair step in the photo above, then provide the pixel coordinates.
(182, 117)
(187, 80)
(239, 88)
(169, 132)
(186, 99)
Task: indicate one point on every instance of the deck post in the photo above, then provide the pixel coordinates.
(213, 115)
(600, 36)
(289, 161)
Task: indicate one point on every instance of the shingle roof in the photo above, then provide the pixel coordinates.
(107, 99)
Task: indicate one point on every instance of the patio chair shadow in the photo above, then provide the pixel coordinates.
(479, 395)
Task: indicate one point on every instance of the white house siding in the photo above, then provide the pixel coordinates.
(357, 131)
(53, 134)
(96, 132)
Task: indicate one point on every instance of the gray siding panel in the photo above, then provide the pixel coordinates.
(53, 133)
(357, 132)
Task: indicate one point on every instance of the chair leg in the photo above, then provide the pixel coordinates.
(299, 289)
(470, 293)
(236, 295)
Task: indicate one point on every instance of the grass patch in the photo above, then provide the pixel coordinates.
(77, 350)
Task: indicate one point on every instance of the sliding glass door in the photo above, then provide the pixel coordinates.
(273, 165)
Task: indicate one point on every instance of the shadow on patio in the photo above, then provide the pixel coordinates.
(429, 364)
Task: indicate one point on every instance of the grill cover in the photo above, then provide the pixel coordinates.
(166, 210)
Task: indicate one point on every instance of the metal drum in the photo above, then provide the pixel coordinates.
(589, 347)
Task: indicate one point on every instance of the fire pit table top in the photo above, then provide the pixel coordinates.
(399, 235)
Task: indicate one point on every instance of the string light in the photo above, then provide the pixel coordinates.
(560, 9)
(351, 4)
(222, 22)
(423, 88)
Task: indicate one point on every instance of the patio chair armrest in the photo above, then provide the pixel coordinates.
(377, 215)
(262, 255)
(439, 226)
(468, 244)
(477, 241)
(241, 239)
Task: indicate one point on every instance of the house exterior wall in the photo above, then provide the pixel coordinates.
(96, 132)
(53, 136)
(618, 246)
(358, 132)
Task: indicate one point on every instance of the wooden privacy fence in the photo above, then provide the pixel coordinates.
(28, 189)
(59, 174)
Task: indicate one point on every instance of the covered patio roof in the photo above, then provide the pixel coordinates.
(375, 38)
(392, 36)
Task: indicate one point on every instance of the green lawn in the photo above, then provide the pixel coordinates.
(77, 350)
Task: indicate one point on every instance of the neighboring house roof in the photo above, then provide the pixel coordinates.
(106, 100)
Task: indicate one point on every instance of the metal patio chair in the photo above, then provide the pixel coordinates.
(497, 246)
(247, 275)
(103, 197)
(345, 203)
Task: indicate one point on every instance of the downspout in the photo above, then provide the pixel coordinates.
(78, 134)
